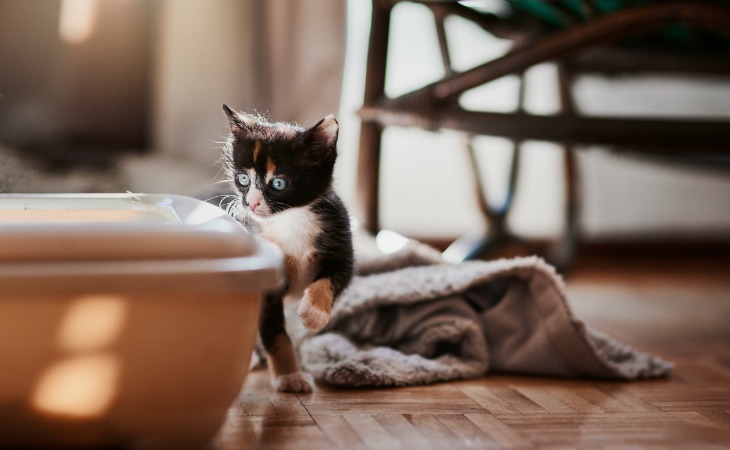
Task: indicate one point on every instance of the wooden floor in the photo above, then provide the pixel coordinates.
(681, 312)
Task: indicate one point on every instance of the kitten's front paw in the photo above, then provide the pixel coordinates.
(297, 382)
(315, 308)
(313, 317)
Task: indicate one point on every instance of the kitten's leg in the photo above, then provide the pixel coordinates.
(315, 309)
(286, 375)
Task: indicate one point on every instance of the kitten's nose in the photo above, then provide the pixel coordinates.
(254, 199)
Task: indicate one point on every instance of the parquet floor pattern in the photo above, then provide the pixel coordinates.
(682, 317)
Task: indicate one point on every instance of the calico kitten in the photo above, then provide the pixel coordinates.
(283, 174)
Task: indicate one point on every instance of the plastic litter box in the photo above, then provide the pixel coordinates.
(125, 320)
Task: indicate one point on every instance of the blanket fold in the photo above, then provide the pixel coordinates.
(410, 318)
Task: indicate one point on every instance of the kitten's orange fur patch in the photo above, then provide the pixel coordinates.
(256, 150)
(315, 309)
(270, 167)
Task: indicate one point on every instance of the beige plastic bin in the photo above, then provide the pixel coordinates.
(124, 319)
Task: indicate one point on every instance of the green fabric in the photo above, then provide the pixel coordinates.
(543, 11)
(561, 14)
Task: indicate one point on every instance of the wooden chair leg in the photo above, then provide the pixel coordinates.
(368, 176)
(371, 132)
(498, 234)
(563, 254)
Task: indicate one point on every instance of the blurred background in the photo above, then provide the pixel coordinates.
(125, 95)
(101, 95)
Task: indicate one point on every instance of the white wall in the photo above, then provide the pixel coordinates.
(425, 191)
(623, 194)
(200, 61)
(277, 57)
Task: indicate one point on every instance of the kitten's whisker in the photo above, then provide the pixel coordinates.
(325, 199)
(219, 195)
(227, 204)
(228, 198)
(220, 171)
(233, 209)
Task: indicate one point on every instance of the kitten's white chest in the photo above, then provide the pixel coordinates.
(295, 232)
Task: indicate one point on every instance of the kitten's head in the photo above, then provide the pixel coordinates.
(277, 166)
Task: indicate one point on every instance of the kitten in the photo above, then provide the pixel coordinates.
(283, 174)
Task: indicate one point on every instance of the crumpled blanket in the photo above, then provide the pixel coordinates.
(410, 318)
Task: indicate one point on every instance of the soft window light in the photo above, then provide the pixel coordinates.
(390, 242)
(82, 386)
(92, 322)
(77, 20)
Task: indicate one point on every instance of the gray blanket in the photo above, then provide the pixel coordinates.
(410, 318)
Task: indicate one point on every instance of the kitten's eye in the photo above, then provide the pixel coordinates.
(243, 179)
(279, 184)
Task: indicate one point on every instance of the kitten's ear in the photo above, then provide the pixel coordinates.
(322, 138)
(239, 122)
